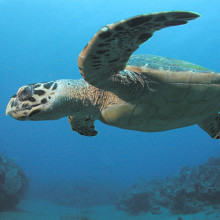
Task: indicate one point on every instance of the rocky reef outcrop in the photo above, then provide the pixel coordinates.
(13, 183)
(189, 192)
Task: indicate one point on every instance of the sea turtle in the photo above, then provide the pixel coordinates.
(141, 92)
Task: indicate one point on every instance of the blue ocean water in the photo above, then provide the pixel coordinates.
(40, 41)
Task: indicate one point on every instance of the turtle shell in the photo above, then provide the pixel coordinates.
(164, 63)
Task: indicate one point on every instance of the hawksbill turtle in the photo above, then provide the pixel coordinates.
(140, 92)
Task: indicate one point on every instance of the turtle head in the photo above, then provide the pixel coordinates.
(35, 102)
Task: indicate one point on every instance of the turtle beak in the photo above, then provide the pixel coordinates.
(11, 107)
(16, 109)
(19, 103)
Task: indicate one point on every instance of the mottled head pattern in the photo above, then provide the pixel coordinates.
(31, 100)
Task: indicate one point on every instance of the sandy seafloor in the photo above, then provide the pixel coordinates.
(36, 209)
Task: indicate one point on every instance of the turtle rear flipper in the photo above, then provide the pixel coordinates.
(212, 126)
(84, 126)
(109, 50)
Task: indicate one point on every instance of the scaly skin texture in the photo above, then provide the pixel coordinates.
(60, 98)
(143, 96)
(82, 102)
(102, 62)
(166, 104)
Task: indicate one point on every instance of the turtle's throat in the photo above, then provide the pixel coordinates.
(80, 99)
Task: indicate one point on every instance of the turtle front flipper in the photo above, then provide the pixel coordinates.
(84, 126)
(102, 62)
(212, 126)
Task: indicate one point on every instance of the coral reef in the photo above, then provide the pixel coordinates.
(191, 191)
(13, 183)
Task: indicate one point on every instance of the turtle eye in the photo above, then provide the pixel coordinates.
(24, 93)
